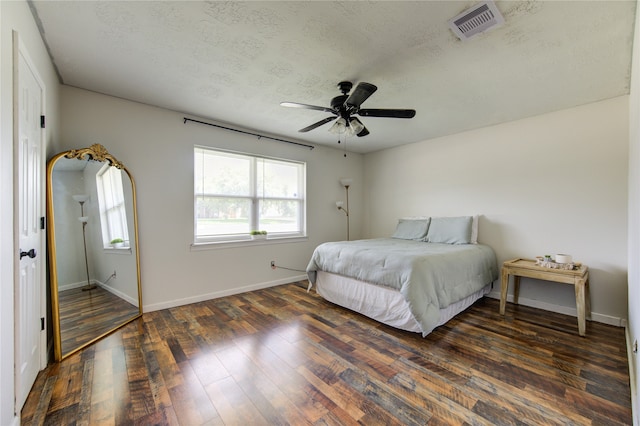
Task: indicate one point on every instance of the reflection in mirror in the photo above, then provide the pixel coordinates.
(93, 247)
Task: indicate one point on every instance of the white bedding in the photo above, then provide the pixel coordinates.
(383, 304)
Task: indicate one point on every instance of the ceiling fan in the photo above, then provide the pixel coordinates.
(344, 106)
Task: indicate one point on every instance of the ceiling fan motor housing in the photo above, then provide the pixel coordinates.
(338, 102)
(345, 86)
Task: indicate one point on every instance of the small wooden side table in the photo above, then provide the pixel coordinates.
(528, 268)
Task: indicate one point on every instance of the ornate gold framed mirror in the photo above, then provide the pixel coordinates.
(94, 261)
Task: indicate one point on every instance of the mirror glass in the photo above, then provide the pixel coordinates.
(93, 247)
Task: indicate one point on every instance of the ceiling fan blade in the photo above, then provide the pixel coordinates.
(305, 106)
(360, 94)
(392, 113)
(318, 124)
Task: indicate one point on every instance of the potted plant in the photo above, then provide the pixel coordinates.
(258, 235)
(117, 242)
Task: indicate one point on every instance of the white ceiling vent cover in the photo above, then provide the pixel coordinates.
(478, 19)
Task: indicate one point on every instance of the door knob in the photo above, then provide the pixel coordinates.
(31, 253)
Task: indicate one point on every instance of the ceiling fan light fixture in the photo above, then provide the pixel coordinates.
(356, 125)
(339, 127)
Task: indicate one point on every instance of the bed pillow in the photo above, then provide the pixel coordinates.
(450, 230)
(411, 229)
(474, 230)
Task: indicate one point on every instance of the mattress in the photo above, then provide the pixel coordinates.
(383, 304)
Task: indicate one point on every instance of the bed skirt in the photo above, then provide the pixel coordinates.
(382, 304)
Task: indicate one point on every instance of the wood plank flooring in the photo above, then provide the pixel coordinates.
(85, 315)
(284, 356)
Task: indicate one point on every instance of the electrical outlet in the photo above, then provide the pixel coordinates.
(635, 346)
(114, 273)
(273, 264)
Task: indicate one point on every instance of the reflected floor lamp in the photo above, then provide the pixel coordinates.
(346, 182)
(84, 219)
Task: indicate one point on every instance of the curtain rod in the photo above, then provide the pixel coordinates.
(247, 133)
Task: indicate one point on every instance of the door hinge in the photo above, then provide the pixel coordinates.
(42, 324)
(42, 121)
(42, 222)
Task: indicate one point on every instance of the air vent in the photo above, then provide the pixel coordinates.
(476, 20)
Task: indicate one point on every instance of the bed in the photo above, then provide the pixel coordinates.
(430, 270)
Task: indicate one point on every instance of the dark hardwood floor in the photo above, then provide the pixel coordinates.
(84, 315)
(285, 356)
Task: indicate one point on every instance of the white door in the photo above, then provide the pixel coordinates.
(29, 276)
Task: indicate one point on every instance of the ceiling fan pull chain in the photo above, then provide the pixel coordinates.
(345, 146)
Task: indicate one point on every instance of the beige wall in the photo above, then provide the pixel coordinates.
(555, 183)
(157, 147)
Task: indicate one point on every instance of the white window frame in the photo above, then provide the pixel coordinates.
(255, 199)
(110, 202)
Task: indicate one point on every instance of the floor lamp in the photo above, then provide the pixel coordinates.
(346, 182)
(84, 219)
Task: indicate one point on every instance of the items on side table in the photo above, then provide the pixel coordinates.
(562, 261)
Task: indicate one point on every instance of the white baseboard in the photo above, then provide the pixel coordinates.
(218, 294)
(118, 293)
(74, 285)
(102, 285)
(605, 319)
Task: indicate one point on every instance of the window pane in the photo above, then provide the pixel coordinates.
(279, 216)
(116, 223)
(113, 217)
(235, 194)
(217, 216)
(222, 173)
(278, 179)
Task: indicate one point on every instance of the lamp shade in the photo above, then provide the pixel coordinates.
(346, 182)
(354, 127)
(340, 126)
(81, 198)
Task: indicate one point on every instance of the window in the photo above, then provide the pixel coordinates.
(235, 194)
(113, 217)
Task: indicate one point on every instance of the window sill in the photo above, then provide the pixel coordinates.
(117, 250)
(215, 245)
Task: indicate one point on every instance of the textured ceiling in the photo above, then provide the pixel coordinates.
(234, 62)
